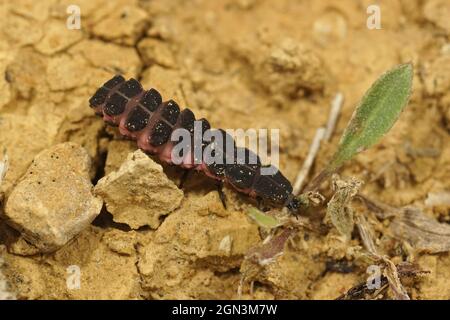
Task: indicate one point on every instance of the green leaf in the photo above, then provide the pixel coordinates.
(263, 220)
(376, 114)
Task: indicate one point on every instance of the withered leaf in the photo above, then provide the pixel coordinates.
(361, 291)
(266, 252)
(338, 211)
(392, 275)
(422, 232)
(366, 233)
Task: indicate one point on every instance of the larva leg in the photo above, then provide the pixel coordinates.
(222, 196)
(260, 203)
(184, 177)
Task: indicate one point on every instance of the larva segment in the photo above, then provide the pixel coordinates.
(275, 188)
(130, 88)
(137, 119)
(242, 173)
(104, 92)
(160, 134)
(186, 121)
(141, 115)
(99, 97)
(115, 105)
(223, 149)
(114, 82)
(205, 126)
(170, 112)
(151, 100)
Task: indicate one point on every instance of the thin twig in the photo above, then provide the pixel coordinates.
(321, 134)
(366, 234)
(314, 148)
(334, 115)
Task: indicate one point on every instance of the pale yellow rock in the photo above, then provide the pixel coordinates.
(21, 31)
(120, 242)
(210, 204)
(291, 274)
(53, 201)
(139, 193)
(109, 56)
(103, 274)
(122, 25)
(437, 75)
(188, 248)
(5, 87)
(209, 236)
(35, 135)
(438, 12)
(5, 292)
(60, 66)
(26, 72)
(155, 51)
(333, 284)
(22, 248)
(58, 9)
(15, 242)
(436, 284)
(167, 275)
(81, 129)
(57, 37)
(286, 67)
(118, 151)
(166, 81)
(29, 9)
(330, 27)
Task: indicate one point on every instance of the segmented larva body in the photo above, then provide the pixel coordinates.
(143, 116)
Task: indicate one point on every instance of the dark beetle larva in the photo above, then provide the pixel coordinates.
(143, 116)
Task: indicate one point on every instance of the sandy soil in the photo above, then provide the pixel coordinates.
(240, 64)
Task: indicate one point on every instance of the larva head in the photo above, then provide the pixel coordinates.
(293, 205)
(296, 203)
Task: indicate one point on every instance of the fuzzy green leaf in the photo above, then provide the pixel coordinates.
(376, 114)
(263, 220)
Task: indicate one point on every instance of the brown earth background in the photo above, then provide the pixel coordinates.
(241, 64)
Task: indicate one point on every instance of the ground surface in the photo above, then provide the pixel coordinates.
(241, 64)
